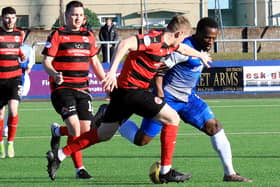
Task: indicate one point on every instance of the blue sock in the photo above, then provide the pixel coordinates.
(128, 130)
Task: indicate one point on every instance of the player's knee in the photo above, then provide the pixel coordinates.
(174, 119)
(141, 139)
(212, 127)
(13, 113)
(73, 130)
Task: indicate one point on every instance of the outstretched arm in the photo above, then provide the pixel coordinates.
(187, 50)
(126, 45)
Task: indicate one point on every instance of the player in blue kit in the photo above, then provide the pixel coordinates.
(178, 88)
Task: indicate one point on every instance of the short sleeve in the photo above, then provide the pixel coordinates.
(144, 41)
(51, 45)
(94, 48)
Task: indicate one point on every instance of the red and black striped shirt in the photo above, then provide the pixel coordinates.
(10, 53)
(141, 66)
(72, 51)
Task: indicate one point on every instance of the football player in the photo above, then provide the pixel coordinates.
(179, 91)
(10, 76)
(130, 93)
(68, 54)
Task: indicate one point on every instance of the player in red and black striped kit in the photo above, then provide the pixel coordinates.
(68, 53)
(11, 39)
(130, 95)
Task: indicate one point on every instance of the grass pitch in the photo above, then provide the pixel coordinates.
(252, 126)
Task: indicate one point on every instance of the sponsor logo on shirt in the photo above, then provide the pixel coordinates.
(66, 37)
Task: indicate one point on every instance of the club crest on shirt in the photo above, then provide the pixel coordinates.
(85, 39)
(147, 40)
(17, 38)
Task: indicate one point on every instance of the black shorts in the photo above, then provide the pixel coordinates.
(68, 102)
(10, 89)
(125, 102)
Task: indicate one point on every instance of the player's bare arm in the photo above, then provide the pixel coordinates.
(187, 50)
(47, 63)
(126, 45)
(98, 68)
(158, 86)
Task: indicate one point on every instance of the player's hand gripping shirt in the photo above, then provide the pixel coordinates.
(141, 66)
(10, 53)
(72, 51)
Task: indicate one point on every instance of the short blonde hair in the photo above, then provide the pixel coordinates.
(179, 22)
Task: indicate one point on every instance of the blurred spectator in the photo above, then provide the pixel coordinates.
(108, 32)
(87, 25)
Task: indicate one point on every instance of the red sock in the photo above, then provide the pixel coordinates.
(63, 130)
(1, 130)
(168, 141)
(12, 127)
(85, 140)
(76, 156)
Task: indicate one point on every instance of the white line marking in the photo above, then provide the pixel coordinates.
(35, 109)
(232, 133)
(180, 134)
(40, 109)
(244, 106)
(213, 106)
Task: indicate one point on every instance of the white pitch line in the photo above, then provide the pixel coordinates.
(35, 109)
(232, 133)
(41, 109)
(225, 106)
(244, 106)
(180, 134)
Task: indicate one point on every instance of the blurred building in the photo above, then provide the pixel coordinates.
(43, 13)
(247, 12)
(128, 13)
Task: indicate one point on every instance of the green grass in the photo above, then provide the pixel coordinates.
(252, 126)
(245, 56)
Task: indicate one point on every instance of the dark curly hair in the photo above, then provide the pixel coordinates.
(204, 23)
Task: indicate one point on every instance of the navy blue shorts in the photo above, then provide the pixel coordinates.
(125, 102)
(68, 102)
(10, 89)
